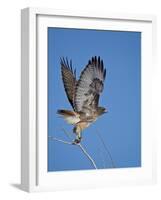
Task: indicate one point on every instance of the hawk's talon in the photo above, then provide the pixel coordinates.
(77, 140)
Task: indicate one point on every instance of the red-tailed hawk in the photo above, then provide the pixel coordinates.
(83, 94)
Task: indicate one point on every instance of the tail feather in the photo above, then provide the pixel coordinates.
(70, 116)
(66, 112)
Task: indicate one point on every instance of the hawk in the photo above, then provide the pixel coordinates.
(83, 94)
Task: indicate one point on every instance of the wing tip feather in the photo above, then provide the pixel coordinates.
(67, 64)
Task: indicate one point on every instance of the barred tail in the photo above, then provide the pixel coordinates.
(70, 116)
(66, 113)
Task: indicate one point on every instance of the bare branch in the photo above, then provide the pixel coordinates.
(79, 145)
(102, 157)
(59, 140)
(82, 148)
(88, 156)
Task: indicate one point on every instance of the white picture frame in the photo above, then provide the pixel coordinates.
(34, 176)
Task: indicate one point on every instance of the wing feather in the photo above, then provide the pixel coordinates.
(69, 79)
(90, 85)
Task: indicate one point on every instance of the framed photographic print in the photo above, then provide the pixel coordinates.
(86, 99)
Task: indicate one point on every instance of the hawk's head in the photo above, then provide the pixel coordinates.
(101, 111)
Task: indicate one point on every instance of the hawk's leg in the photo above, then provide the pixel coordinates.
(78, 138)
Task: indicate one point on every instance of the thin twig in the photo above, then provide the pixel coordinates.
(59, 140)
(82, 148)
(67, 134)
(85, 152)
(88, 156)
(107, 150)
(79, 145)
(102, 157)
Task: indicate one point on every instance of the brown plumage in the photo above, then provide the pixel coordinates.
(83, 94)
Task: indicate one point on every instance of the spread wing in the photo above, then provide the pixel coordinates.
(69, 79)
(90, 85)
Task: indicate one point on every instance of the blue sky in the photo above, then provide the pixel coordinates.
(120, 128)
